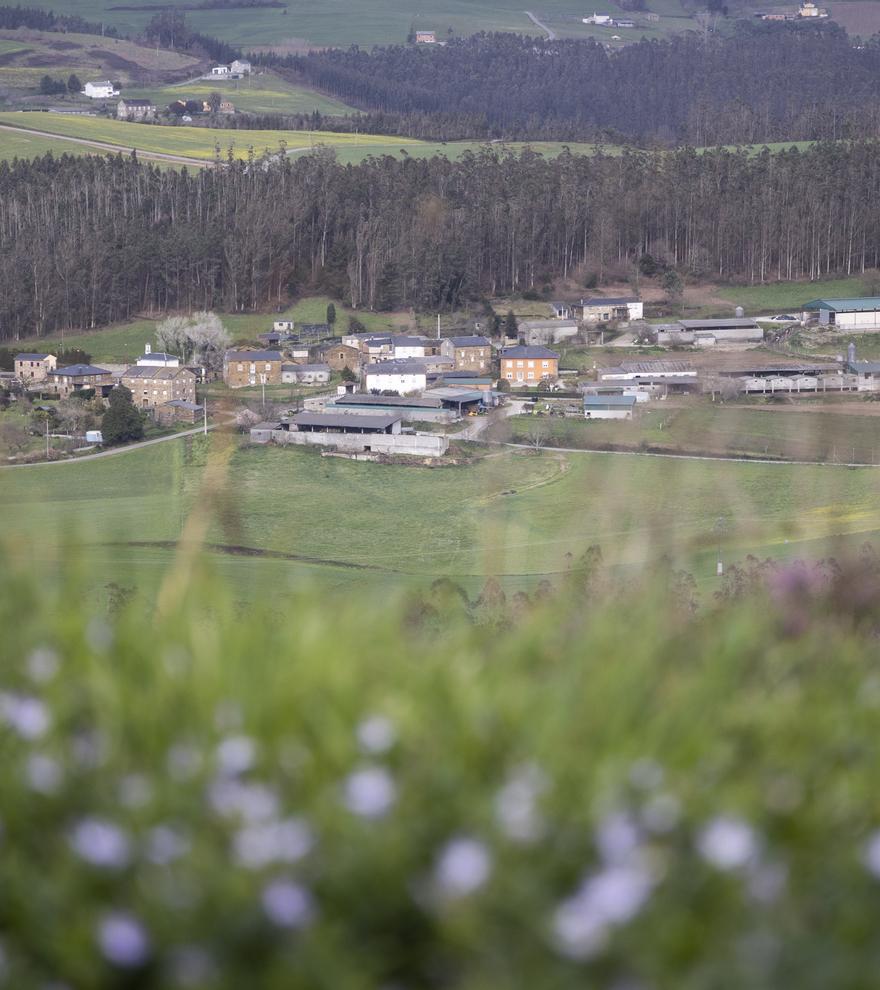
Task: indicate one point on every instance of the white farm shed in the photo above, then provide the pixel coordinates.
(858, 314)
(609, 406)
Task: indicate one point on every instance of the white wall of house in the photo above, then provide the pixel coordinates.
(408, 351)
(608, 414)
(400, 382)
(869, 320)
(99, 90)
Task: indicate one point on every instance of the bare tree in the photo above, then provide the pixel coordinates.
(14, 437)
(537, 435)
(199, 338)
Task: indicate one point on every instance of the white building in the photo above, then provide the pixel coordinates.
(157, 359)
(633, 371)
(241, 67)
(402, 377)
(609, 406)
(102, 90)
(280, 326)
(305, 374)
(407, 347)
(604, 309)
(220, 70)
(858, 315)
(603, 20)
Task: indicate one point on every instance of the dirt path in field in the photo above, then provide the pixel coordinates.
(551, 34)
(157, 156)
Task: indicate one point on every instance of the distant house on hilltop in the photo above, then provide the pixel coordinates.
(102, 90)
(240, 67)
(157, 359)
(426, 38)
(137, 110)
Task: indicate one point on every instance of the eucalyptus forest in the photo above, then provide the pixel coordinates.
(89, 241)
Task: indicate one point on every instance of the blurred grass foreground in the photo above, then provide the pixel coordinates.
(595, 789)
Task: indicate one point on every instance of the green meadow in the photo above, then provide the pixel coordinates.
(277, 518)
(204, 143)
(336, 22)
(265, 93)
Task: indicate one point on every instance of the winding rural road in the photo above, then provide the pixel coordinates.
(158, 156)
(551, 34)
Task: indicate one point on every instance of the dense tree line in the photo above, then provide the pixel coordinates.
(46, 20)
(765, 82)
(88, 241)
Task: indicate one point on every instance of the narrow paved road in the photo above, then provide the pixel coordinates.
(475, 427)
(113, 451)
(158, 156)
(551, 34)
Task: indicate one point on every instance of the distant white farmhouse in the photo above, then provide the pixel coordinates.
(220, 70)
(403, 377)
(604, 20)
(102, 90)
(240, 67)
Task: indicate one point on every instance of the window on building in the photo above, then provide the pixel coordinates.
(531, 374)
(545, 364)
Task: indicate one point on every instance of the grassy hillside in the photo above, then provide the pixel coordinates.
(846, 431)
(200, 142)
(518, 516)
(336, 22)
(266, 93)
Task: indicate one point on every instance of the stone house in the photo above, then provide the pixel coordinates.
(34, 367)
(151, 386)
(244, 368)
(468, 353)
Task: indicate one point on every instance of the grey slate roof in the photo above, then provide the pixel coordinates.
(732, 324)
(405, 366)
(604, 401)
(527, 351)
(608, 300)
(471, 341)
(31, 357)
(865, 367)
(401, 401)
(252, 356)
(379, 421)
(76, 370)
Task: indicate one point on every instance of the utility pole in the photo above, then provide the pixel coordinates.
(720, 527)
(47, 438)
(438, 326)
(205, 410)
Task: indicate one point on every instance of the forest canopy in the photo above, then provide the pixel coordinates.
(89, 241)
(766, 82)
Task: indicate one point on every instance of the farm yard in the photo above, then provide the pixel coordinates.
(285, 516)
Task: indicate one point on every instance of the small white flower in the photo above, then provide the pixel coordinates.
(287, 904)
(727, 843)
(42, 664)
(871, 854)
(464, 865)
(516, 808)
(43, 773)
(27, 716)
(236, 754)
(578, 932)
(617, 837)
(100, 843)
(256, 846)
(618, 893)
(370, 792)
(376, 734)
(135, 791)
(165, 845)
(123, 940)
(251, 802)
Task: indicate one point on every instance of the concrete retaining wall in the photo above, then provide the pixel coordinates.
(413, 445)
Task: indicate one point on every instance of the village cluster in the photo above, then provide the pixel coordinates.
(385, 382)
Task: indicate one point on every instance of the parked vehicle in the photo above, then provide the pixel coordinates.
(783, 318)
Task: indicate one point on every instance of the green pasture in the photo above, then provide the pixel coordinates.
(336, 22)
(202, 142)
(785, 296)
(28, 146)
(284, 516)
(125, 341)
(266, 93)
(753, 430)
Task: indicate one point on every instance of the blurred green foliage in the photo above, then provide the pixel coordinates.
(599, 788)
